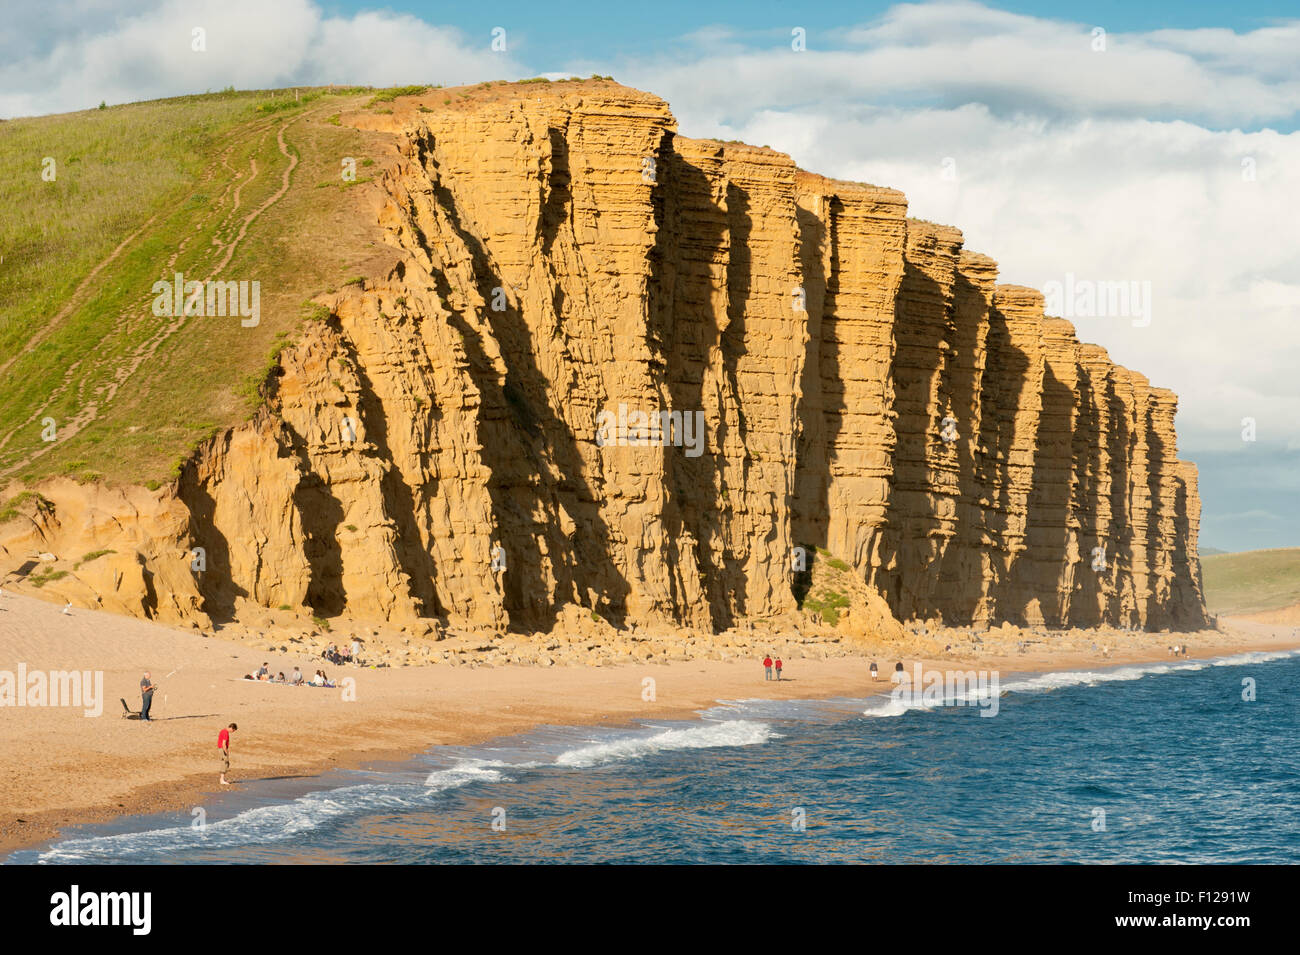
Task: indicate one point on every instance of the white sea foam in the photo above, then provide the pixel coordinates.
(1044, 682)
(709, 735)
(281, 821)
(260, 825)
(802, 711)
(466, 771)
(898, 703)
(1255, 656)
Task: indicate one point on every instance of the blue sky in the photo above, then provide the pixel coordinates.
(553, 34)
(1170, 157)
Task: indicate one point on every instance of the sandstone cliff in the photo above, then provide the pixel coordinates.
(838, 377)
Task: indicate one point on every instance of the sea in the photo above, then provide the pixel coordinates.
(1194, 761)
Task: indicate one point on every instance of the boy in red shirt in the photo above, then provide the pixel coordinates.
(767, 668)
(778, 668)
(223, 744)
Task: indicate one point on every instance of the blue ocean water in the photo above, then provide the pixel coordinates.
(1183, 768)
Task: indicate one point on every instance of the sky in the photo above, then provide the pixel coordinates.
(1155, 144)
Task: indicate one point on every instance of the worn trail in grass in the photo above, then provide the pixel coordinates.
(132, 393)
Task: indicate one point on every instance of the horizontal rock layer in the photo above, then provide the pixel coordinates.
(471, 436)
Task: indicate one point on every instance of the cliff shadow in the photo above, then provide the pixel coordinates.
(1039, 573)
(1157, 610)
(412, 553)
(1085, 604)
(809, 505)
(961, 570)
(1005, 376)
(518, 434)
(691, 238)
(740, 277)
(1121, 606)
(216, 583)
(917, 364)
(320, 513)
(1187, 610)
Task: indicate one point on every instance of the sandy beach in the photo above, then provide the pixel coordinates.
(60, 766)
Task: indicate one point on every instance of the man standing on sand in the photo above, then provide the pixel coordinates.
(778, 668)
(223, 744)
(146, 697)
(767, 667)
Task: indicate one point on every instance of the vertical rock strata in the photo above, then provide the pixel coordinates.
(966, 564)
(474, 435)
(922, 516)
(853, 243)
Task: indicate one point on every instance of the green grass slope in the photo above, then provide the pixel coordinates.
(1252, 581)
(240, 186)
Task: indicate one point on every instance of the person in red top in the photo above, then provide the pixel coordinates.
(778, 668)
(767, 667)
(223, 744)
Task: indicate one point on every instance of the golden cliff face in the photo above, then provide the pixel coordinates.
(475, 435)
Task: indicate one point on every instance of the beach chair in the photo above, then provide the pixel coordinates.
(127, 712)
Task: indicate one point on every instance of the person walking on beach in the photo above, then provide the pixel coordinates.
(899, 674)
(875, 674)
(223, 745)
(146, 697)
(778, 668)
(767, 667)
(356, 651)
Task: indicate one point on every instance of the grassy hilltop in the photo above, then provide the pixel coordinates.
(1252, 581)
(234, 185)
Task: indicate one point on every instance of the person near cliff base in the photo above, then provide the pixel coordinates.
(146, 697)
(875, 673)
(777, 664)
(223, 747)
(900, 675)
(767, 667)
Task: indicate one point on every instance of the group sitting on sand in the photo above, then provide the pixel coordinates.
(263, 675)
(343, 654)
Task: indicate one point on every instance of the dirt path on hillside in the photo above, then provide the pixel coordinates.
(123, 372)
(75, 301)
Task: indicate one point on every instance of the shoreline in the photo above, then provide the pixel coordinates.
(400, 712)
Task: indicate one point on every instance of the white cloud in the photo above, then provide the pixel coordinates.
(249, 45)
(1106, 165)
(951, 53)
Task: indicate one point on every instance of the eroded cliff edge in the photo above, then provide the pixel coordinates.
(862, 386)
